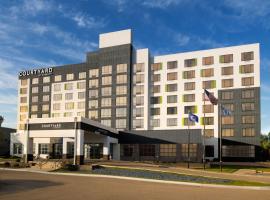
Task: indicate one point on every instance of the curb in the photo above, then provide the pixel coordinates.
(142, 179)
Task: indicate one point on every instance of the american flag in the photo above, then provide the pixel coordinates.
(211, 97)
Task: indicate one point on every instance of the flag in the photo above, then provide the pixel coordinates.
(193, 118)
(211, 97)
(225, 111)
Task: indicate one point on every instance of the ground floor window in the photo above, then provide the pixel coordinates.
(127, 150)
(192, 150)
(209, 151)
(43, 149)
(17, 148)
(238, 151)
(147, 149)
(168, 150)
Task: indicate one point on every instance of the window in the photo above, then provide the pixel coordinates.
(24, 91)
(208, 60)
(81, 95)
(55, 114)
(93, 93)
(155, 89)
(121, 112)
(139, 112)
(34, 108)
(57, 87)
(172, 122)
(24, 108)
(208, 108)
(167, 150)
(93, 104)
(68, 86)
(106, 102)
(189, 86)
(171, 87)
(189, 74)
(139, 89)
(247, 56)
(121, 123)
(46, 79)
(147, 150)
(171, 110)
(34, 99)
(247, 81)
(209, 84)
(155, 122)
(45, 107)
(82, 75)
(58, 78)
(227, 120)
(107, 80)
(81, 105)
(229, 106)
(56, 106)
(172, 65)
(23, 117)
(106, 69)
(46, 88)
(192, 109)
(106, 122)
(155, 111)
(227, 70)
(248, 132)
(190, 62)
(207, 72)
(127, 150)
(188, 97)
(121, 68)
(226, 58)
(208, 121)
(155, 100)
(245, 69)
(93, 73)
(139, 100)
(139, 67)
(69, 96)
(209, 133)
(156, 66)
(68, 114)
(57, 97)
(34, 90)
(106, 91)
(172, 76)
(156, 77)
(187, 122)
(45, 97)
(24, 82)
(17, 148)
(69, 106)
(248, 94)
(121, 90)
(227, 95)
(45, 116)
(248, 119)
(81, 85)
(238, 151)
(81, 114)
(227, 132)
(227, 83)
(35, 81)
(23, 100)
(172, 99)
(121, 79)
(248, 106)
(121, 101)
(43, 149)
(139, 78)
(69, 77)
(138, 123)
(93, 114)
(192, 150)
(93, 83)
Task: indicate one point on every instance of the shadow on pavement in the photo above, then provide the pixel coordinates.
(18, 185)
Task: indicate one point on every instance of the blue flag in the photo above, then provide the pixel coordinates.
(193, 118)
(225, 111)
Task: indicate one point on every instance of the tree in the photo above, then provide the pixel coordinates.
(1, 120)
(265, 141)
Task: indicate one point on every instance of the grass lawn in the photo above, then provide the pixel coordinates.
(234, 168)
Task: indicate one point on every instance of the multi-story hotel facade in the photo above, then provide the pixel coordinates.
(126, 104)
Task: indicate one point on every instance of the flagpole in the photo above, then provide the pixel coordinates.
(220, 138)
(204, 130)
(188, 140)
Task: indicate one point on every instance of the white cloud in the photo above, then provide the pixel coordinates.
(161, 3)
(181, 39)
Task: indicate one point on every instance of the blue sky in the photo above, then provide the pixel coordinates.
(36, 33)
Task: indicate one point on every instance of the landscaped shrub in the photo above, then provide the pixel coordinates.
(71, 167)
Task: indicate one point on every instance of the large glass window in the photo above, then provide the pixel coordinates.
(58, 78)
(46, 88)
(139, 100)
(121, 101)
(46, 79)
(68, 86)
(155, 88)
(227, 95)
(189, 74)
(172, 122)
(121, 112)
(107, 80)
(156, 66)
(172, 65)
(106, 113)
(17, 148)
(209, 84)
(121, 123)
(93, 73)
(188, 97)
(172, 99)
(56, 106)
(69, 96)
(81, 85)
(81, 105)
(189, 86)
(247, 56)
(45, 97)
(34, 90)
(139, 112)
(190, 62)
(122, 89)
(69, 106)
(208, 120)
(227, 132)
(139, 78)
(121, 68)
(35, 81)
(167, 150)
(147, 150)
(192, 150)
(57, 87)
(93, 93)
(138, 123)
(24, 90)
(155, 122)
(155, 111)
(172, 76)
(43, 148)
(93, 114)
(93, 104)
(156, 100)
(139, 67)
(139, 89)
(82, 75)
(121, 79)
(81, 95)
(227, 83)
(248, 94)
(57, 97)
(171, 87)
(248, 106)
(24, 82)
(106, 91)
(93, 83)
(127, 150)
(247, 81)
(248, 132)
(34, 108)
(208, 60)
(208, 108)
(105, 102)
(209, 133)
(207, 72)
(106, 69)
(227, 70)
(245, 69)
(227, 120)
(248, 119)
(106, 122)
(45, 107)
(171, 110)
(34, 99)
(69, 77)
(226, 58)
(155, 77)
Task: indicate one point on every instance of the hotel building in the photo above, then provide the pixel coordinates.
(125, 103)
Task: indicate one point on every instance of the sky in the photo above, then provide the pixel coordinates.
(40, 33)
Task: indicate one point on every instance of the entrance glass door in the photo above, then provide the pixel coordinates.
(57, 150)
(93, 151)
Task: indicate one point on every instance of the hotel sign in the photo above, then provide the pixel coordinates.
(51, 126)
(37, 72)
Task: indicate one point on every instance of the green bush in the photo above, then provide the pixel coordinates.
(71, 167)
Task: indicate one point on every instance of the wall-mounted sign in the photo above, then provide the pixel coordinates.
(37, 72)
(49, 126)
